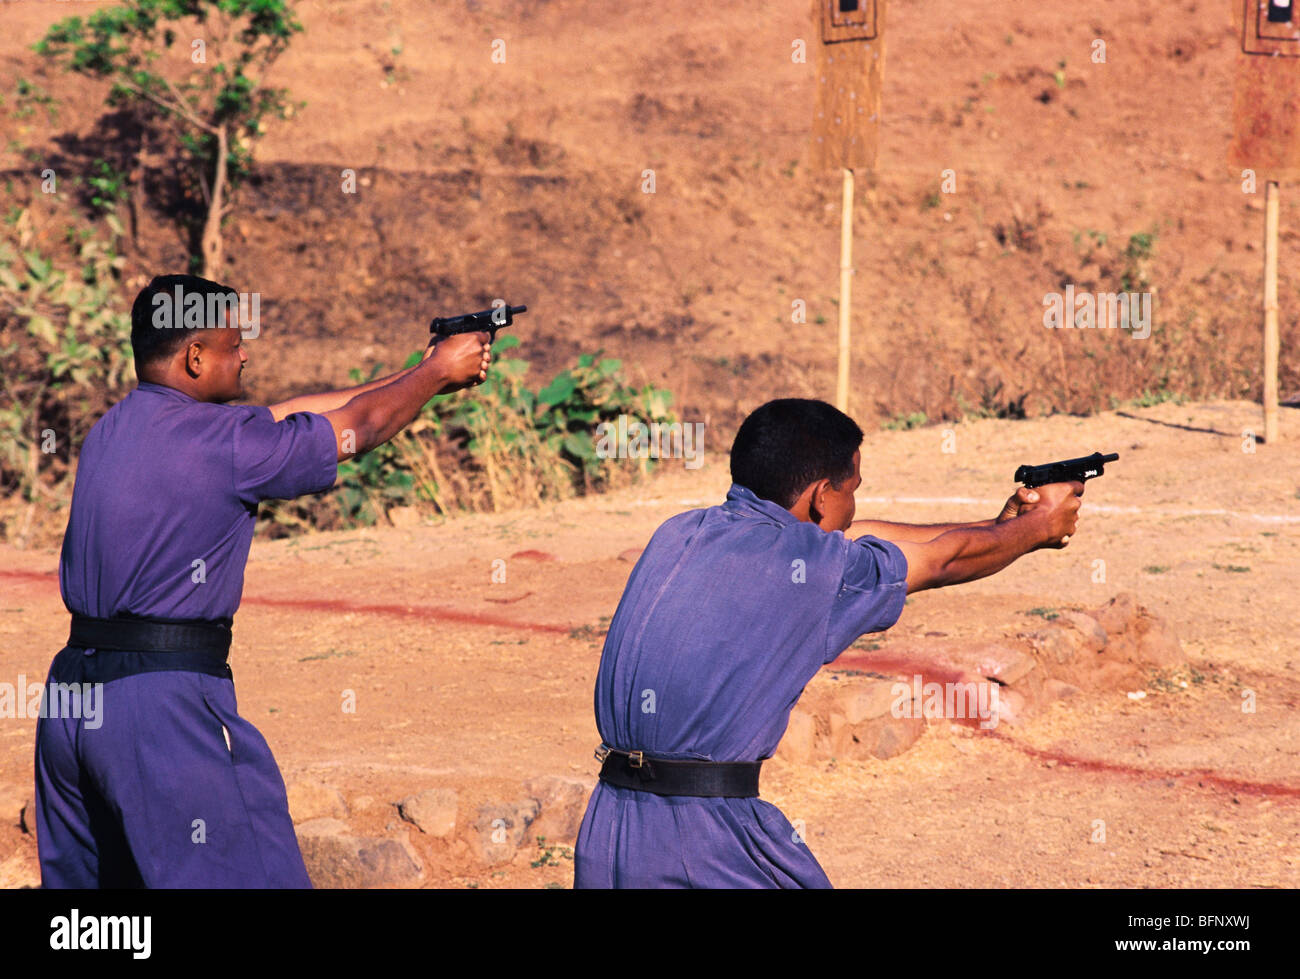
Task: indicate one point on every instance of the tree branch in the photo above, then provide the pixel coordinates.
(179, 110)
(189, 113)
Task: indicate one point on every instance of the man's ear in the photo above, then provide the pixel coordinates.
(817, 500)
(193, 365)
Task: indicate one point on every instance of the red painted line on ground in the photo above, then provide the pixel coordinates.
(37, 576)
(407, 612)
(1203, 776)
(424, 612)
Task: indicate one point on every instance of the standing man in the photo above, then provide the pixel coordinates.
(728, 614)
(168, 786)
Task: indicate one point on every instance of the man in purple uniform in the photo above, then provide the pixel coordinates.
(166, 785)
(728, 614)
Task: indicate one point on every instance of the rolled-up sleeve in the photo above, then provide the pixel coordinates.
(280, 460)
(871, 594)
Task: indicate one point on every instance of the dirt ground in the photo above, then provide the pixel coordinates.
(474, 685)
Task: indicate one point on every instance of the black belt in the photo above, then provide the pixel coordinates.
(143, 645)
(664, 776)
(151, 635)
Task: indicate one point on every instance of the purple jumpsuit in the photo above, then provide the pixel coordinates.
(728, 614)
(148, 792)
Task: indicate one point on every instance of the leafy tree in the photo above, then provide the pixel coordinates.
(210, 87)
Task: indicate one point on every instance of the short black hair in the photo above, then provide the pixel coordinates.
(786, 445)
(158, 329)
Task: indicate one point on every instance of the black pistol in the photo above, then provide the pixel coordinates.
(1082, 469)
(487, 320)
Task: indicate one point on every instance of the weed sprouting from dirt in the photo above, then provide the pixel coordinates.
(551, 856)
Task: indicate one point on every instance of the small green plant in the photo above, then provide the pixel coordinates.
(108, 186)
(591, 633)
(551, 856)
(1149, 398)
(1047, 613)
(931, 200)
(1234, 568)
(905, 423)
(1137, 253)
(28, 96)
(1059, 74)
(1156, 568)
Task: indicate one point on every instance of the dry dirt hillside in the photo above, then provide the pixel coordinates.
(524, 179)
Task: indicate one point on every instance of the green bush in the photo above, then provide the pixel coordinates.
(498, 444)
(65, 350)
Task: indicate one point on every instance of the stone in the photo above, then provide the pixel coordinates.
(13, 801)
(841, 735)
(1056, 646)
(336, 859)
(432, 811)
(867, 701)
(798, 745)
(888, 736)
(312, 799)
(563, 800)
(501, 828)
(1002, 663)
(1117, 614)
(1012, 706)
(1094, 636)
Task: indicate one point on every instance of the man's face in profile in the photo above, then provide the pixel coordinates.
(221, 359)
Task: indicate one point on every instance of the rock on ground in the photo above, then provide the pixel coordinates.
(563, 801)
(502, 828)
(310, 799)
(432, 811)
(337, 859)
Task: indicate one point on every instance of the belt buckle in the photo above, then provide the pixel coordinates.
(636, 759)
(602, 753)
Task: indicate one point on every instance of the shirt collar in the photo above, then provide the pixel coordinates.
(163, 389)
(741, 499)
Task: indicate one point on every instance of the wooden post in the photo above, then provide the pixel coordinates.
(846, 292)
(1266, 143)
(846, 127)
(1270, 312)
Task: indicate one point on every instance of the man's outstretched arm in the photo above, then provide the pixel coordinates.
(375, 415)
(919, 533)
(330, 400)
(968, 553)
